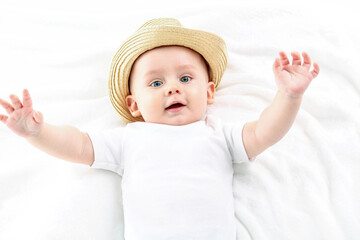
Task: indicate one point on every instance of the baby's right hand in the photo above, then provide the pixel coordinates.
(22, 119)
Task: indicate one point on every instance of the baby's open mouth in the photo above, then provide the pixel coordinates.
(176, 107)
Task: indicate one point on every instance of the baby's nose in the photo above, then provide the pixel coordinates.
(173, 89)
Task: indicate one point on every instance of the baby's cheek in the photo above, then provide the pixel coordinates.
(151, 108)
(201, 96)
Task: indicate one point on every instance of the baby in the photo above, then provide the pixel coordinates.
(175, 160)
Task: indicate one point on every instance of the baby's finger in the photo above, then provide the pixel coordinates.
(3, 118)
(276, 63)
(316, 70)
(9, 109)
(296, 58)
(27, 99)
(307, 61)
(284, 59)
(16, 101)
(38, 117)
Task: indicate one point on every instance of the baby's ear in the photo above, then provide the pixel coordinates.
(210, 92)
(132, 106)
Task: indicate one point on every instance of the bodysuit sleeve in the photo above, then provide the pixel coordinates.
(233, 136)
(232, 132)
(108, 147)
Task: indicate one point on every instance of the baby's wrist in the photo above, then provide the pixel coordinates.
(35, 133)
(289, 96)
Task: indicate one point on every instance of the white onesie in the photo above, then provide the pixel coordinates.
(176, 180)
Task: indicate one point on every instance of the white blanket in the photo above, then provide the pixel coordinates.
(305, 187)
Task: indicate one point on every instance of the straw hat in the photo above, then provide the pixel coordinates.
(156, 33)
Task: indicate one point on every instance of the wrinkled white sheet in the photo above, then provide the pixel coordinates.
(305, 187)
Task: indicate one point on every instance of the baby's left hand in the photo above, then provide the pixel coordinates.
(294, 79)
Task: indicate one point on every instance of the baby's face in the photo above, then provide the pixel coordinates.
(165, 75)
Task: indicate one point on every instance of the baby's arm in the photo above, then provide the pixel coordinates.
(64, 142)
(276, 120)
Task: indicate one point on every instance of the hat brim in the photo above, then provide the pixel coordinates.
(210, 46)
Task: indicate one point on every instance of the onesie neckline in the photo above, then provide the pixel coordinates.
(200, 122)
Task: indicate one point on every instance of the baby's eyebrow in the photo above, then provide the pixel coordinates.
(183, 66)
(186, 66)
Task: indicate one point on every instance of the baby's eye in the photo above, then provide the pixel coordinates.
(156, 83)
(186, 79)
